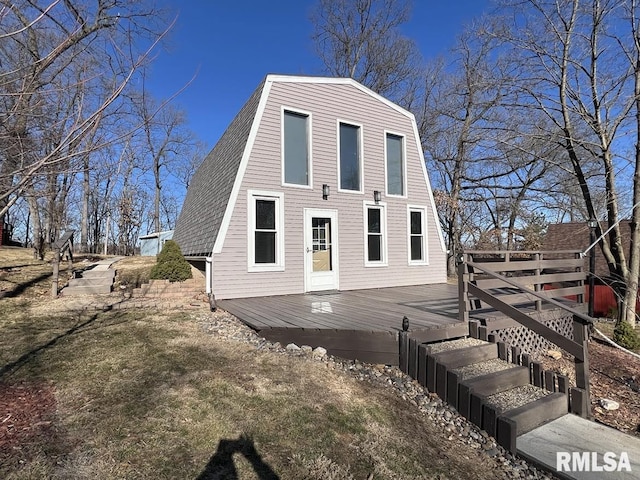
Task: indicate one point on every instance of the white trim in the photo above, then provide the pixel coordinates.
(404, 164)
(297, 111)
(278, 197)
(237, 183)
(360, 154)
(425, 243)
(423, 163)
(382, 206)
(308, 214)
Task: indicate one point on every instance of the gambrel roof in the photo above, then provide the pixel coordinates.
(209, 192)
(205, 215)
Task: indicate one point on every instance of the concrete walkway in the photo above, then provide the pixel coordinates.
(574, 439)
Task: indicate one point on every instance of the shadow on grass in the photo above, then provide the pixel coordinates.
(222, 466)
(16, 364)
(21, 287)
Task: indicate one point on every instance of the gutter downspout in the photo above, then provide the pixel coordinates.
(209, 282)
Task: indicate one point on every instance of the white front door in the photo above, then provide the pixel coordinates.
(321, 252)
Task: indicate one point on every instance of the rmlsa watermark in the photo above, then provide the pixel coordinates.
(592, 462)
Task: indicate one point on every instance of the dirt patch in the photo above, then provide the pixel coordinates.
(614, 375)
(27, 416)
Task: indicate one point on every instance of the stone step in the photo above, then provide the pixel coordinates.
(87, 282)
(87, 290)
(92, 273)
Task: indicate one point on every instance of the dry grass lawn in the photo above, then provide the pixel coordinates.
(148, 395)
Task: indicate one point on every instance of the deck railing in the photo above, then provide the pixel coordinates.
(517, 283)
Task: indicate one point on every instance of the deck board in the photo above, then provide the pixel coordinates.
(361, 324)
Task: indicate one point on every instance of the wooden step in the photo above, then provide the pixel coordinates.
(525, 418)
(455, 358)
(458, 375)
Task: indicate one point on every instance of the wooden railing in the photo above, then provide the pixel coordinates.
(516, 284)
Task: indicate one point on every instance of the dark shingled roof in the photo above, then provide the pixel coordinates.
(208, 194)
(575, 236)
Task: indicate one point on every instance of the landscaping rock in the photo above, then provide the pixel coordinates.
(292, 347)
(319, 352)
(306, 349)
(555, 354)
(609, 404)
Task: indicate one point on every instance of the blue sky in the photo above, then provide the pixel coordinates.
(230, 45)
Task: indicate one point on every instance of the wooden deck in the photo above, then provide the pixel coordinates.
(356, 324)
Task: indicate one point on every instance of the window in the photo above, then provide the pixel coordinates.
(265, 231)
(295, 148)
(395, 164)
(375, 241)
(350, 167)
(417, 235)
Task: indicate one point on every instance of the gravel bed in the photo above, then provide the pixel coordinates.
(442, 415)
(482, 368)
(454, 344)
(516, 397)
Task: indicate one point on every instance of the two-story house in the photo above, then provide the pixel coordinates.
(317, 184)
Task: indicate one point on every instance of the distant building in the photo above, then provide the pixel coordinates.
(152, 243)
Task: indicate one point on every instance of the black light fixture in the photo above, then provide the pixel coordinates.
(405, 324)
(592, 223)
(325, 191)
(377, 196)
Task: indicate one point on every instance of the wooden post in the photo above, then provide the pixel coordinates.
(56, 273)
(463, 291)
(403, 347)
(537, 286)
(580, 336)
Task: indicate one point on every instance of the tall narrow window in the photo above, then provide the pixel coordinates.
(296, 148)
(375, 248)
(265, 231)
(417, 235)
(350, 174)
(395, 164)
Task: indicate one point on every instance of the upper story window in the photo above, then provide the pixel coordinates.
(296, 154)
(350, 157)
(395, 164)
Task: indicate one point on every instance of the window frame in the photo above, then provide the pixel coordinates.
(252, 197)
(359, 126)
(382, 206)
(388, 133)
(283, 111)
(425, 244)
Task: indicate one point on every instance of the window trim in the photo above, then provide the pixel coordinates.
(283, 110)
(382, 206)
(360, 154)
(278, 197)
(404, 165)
(425, 244)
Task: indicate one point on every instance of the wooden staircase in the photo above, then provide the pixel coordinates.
(493, 384)
(494, 393)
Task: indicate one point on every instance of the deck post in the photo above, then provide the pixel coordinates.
(580, 336)
(463, 290)
(403, 354)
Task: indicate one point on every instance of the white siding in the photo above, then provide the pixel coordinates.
(327, 103)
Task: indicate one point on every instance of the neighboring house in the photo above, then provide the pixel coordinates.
(576, 236)
(317, 184)
(152, 243)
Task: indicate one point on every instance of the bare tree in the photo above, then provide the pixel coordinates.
(361, 39)
(84, 52)
(579, 65)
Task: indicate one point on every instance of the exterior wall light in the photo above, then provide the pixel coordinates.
(325, 191)
(377, 196)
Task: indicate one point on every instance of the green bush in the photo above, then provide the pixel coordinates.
(625, 336)
(171, 264)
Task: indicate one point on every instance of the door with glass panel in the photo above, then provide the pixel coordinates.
(321, 259)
